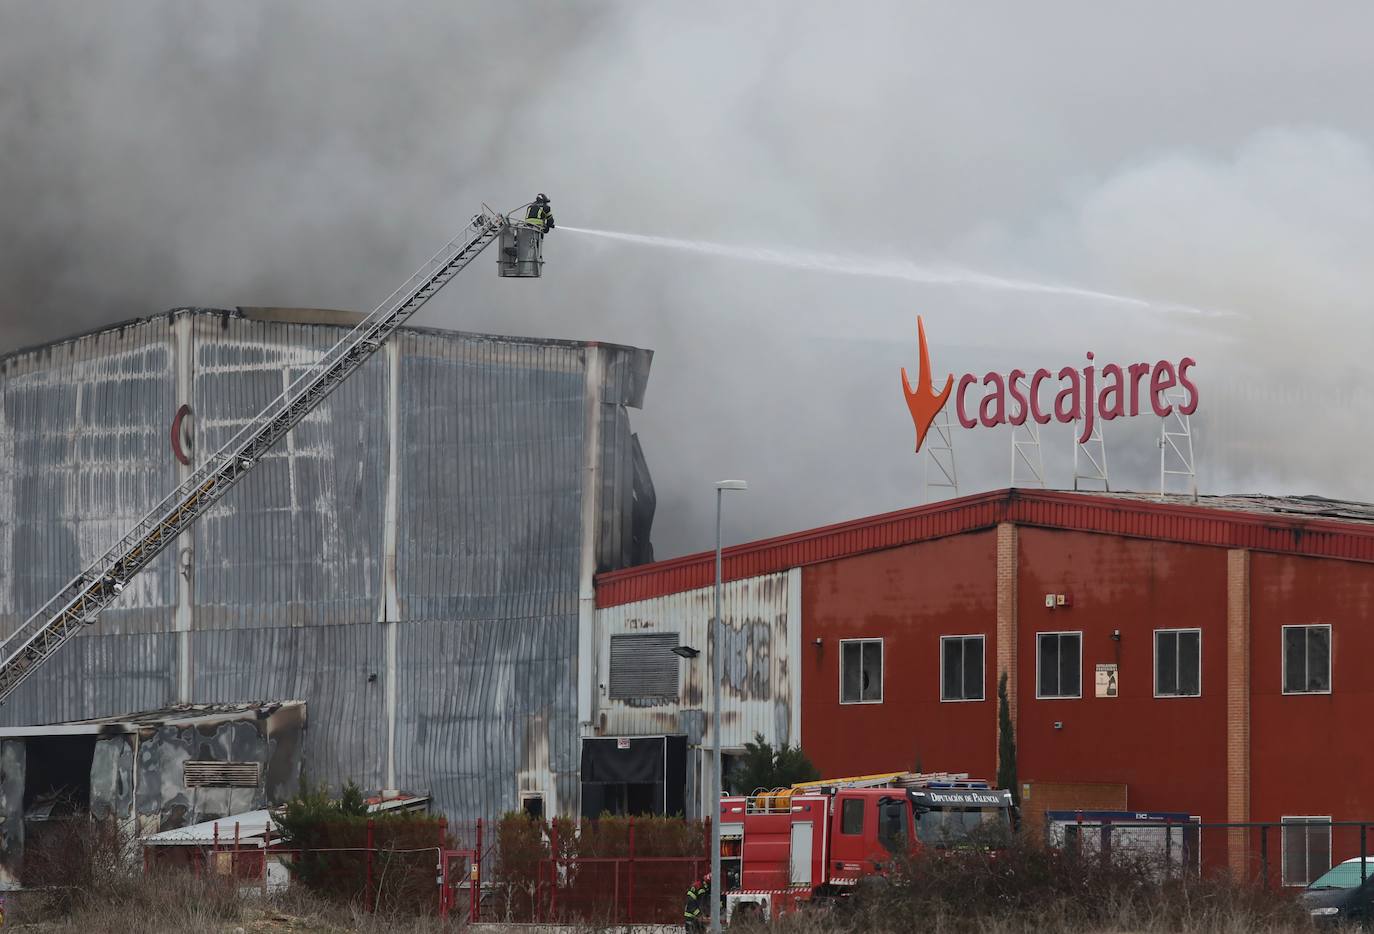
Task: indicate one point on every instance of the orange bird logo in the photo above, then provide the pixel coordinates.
(923, 401)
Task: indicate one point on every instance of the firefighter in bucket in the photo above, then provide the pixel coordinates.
(540, 215)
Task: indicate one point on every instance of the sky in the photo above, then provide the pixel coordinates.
(1194, 157)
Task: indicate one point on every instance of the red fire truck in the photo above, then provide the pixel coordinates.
(816, 840)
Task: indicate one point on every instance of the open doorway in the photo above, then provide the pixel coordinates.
(57, 802)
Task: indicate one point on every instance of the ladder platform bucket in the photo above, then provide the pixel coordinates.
(521, 255)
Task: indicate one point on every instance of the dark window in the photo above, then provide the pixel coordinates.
(961, 672)
(1306, 659)
(1060, 663)
(892, 824)
(1306, 848)
(1178, 663)
(643, 665)
(852, 815)
(861, 671)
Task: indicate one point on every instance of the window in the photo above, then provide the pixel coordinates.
(892, 821)
(861, 671)
(1306, 848)
(1059, 664)
(961, 668)
(643, 665)
(1178, 662)
(1307, 659)
(852, 815)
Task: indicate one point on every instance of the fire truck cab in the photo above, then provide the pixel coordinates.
(788, 846)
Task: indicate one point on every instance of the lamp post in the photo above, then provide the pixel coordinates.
(717, 640)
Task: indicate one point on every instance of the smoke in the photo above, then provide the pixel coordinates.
(174, 152)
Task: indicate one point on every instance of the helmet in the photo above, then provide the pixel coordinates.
(542, 197)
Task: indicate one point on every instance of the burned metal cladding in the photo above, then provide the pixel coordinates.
(424, 524)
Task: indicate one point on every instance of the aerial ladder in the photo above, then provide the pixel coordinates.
(80, 602)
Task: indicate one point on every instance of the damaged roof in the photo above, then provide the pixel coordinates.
(322, 317)
(171, 715)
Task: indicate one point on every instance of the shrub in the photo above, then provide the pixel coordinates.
(762, 766)
(332, 837)
(1022, 886)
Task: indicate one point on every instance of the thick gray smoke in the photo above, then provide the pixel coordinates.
(172, 153)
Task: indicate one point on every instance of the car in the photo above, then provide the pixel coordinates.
(1339, 896)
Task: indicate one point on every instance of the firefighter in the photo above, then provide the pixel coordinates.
(539, 215)
(694, 915)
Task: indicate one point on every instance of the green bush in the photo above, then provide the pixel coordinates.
(332, 837)
(762, 766)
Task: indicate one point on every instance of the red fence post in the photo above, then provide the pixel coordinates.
(630, 881)
(615, 895)
(475, 883)
(368, 903)
(553, 886)
(443, 867)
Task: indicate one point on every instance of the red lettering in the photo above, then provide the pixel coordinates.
(1018, 411)
(1161, 380)
(1190, 405)
(1039, 377)
(1089, 408)
(964, 382)
(1112, 373)
(1138, 372)
(997, 396)
(1068, 394)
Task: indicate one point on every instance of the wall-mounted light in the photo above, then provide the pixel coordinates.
(818, 641)
(1116, 635)
(685, 651)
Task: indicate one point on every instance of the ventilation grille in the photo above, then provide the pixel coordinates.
(222, 774)
(643, 665)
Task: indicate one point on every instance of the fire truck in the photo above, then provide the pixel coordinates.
(783, 848)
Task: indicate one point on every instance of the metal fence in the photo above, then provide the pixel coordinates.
(459, 878)
(1269, 854)
(444, 879)
(616, 890)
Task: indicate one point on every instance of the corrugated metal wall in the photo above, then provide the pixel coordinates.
(288, 577)
(84, 453)
(299, 542)
(760, 687)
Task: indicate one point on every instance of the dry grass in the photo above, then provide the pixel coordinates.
(87, 879)
(1022, 890)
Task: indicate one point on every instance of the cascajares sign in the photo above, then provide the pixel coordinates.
(1075, 394)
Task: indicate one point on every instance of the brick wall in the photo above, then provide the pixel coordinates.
(1237, 702)
(1039, 797)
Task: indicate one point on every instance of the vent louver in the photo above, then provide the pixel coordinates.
(222, 774)
(643, 665)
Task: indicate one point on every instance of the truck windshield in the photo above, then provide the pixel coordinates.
(947, 826)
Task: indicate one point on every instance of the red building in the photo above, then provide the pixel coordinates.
(1206, 658)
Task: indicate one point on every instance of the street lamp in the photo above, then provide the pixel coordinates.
(717, 641)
